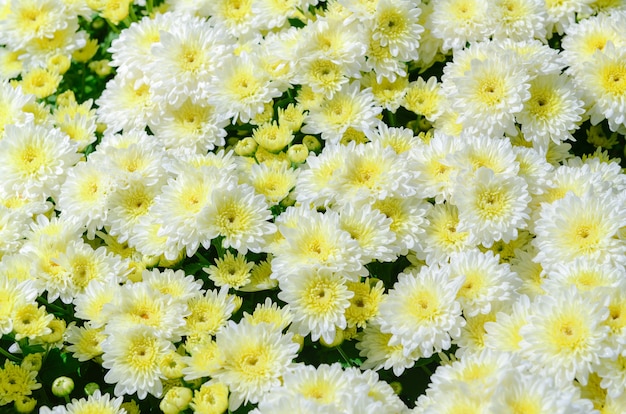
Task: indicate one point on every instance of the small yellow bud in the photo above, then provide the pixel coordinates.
(91, 387)
(25, 404)
(101, 67)
(177, 399)
(297, 153)
(32, 362)
(312, 143)
(246, 147)
(59, 64)
(66, 98)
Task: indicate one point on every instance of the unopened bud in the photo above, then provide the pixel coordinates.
(62, 386)
(177, 399)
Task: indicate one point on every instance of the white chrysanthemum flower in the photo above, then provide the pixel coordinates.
(241, 88)
(563, 14)
(458, 22)
(313, 183)
(90, 303)
(536, 57)
(127, 206)
(195, 126)
(531, 274)
(553, 110)
(230, 270)
(585, 227)
(208, 313)
(487, 282)
(589, 36)
(272, 14)
(83, 264)
(12, 294)
(133, 358)
(83, 196)
(316, 241)
(489, 94)
(471, 341)
(400, 139)
(131, 157)
(146, 239)
(350, 107)
(537, 394)
(128, 103)
(603, 81)
(435, 178)
(424, 98)
(240, 216)
(519, 19)
(564, 179)
(408, 220)
(533, 168)
(325, 386)
(324, 76)
(12, 103)
(441, 237)
(395, 25)
(85, 342)
(613, 375)
(371, 172)
(371, 230)
(492, 206)
(586, 275)
(184, 60)
(503, 334)
(180, 206)
(318, 299)
(381, 62)
(236, 16)
(422, 312)
(177, 284)
(255, 358)
(477, 376)
(565, 336)
(335, 39)
(35, 159)
(274, 180)
(131, 50)
(31, 19)
(39, 51)
(269, 312)
(13, 224)
(373, 345)
(141, 304)
(478, 150)
(96, 402)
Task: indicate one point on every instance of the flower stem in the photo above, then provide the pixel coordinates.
(343, 355)
(8, 355)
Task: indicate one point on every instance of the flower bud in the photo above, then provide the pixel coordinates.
(32, 362)
(297, 153)
(177, 399)
(62, 386)
(91, 388)
(312, 143)
(25, 404)
(246, 147)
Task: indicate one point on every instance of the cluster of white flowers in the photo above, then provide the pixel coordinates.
(228, 129)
